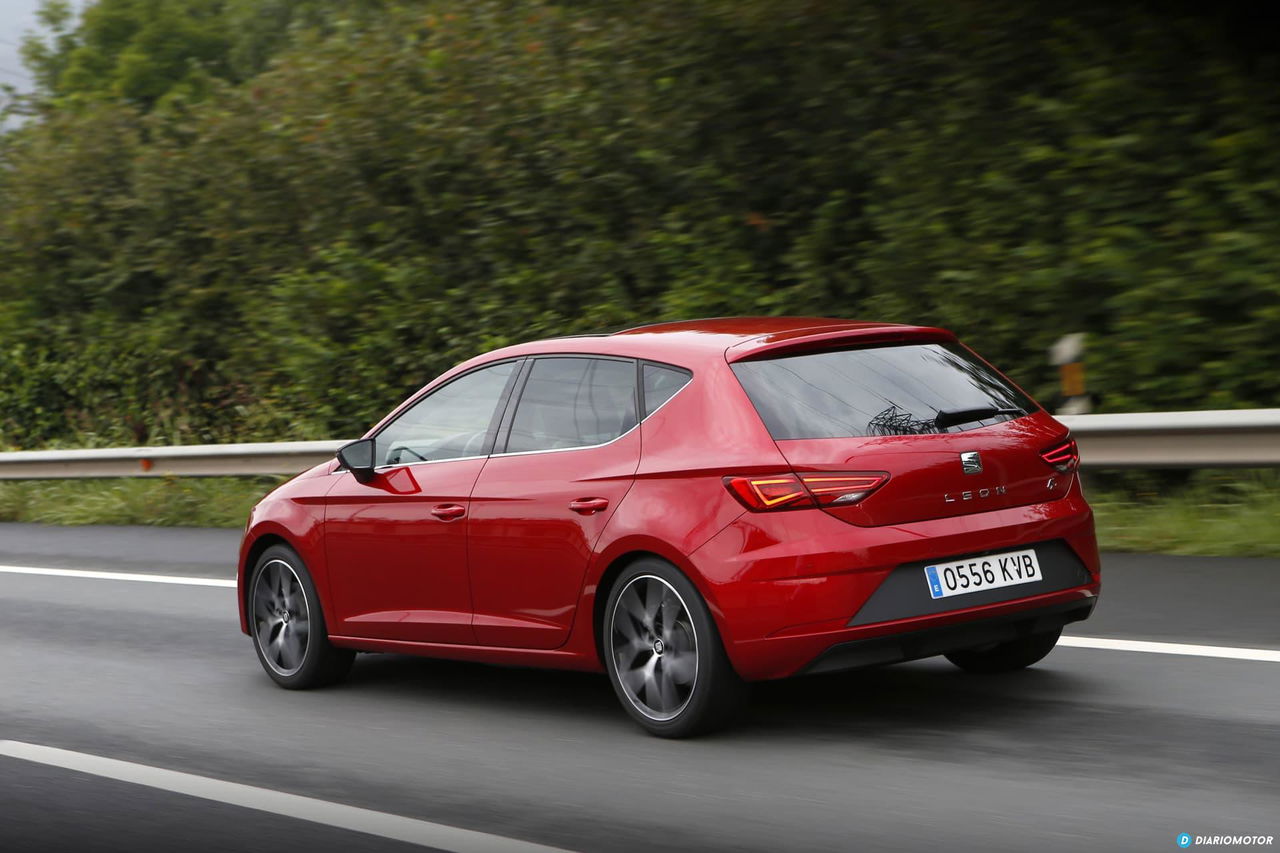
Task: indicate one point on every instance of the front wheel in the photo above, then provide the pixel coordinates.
(287, 624)
(664, 654)
(1006, 657)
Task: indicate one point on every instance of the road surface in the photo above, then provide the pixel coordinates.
(1093, 749)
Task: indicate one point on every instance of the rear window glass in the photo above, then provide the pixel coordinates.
(898, 390)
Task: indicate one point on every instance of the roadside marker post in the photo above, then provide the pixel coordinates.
(1068, 354)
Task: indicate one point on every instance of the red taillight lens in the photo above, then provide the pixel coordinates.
(776, 491)
(1065, 457)
(789, 491)
(841, 489)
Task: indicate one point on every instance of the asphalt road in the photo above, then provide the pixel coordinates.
(1091, 749)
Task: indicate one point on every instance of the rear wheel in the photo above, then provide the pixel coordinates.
(288, 626)
(1006, 657)
(664, 654)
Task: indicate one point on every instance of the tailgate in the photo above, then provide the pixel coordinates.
(928, 477)
(953, 435)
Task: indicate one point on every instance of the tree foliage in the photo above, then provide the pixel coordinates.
(143, 51)
(350, 201)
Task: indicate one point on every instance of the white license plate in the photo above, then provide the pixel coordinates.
(978, 573)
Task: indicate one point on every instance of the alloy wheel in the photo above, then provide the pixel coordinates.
(654, 647)
(281, 617)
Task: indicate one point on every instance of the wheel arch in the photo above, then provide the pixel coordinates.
(252, 553)
(260, 544)
(604, 587)
(616, 566)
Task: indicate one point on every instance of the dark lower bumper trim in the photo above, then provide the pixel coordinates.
(896, 648)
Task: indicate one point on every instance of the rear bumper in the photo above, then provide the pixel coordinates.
(785, 588)
(913, 645)
(909, 639)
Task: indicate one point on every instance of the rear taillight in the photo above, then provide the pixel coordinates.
(840, 489)
(791, 491)
(777, 491)
(1065, 456)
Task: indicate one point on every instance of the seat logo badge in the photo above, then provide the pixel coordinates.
(971, 462)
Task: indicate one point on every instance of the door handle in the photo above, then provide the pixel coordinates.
(588, 506)
(449, 512)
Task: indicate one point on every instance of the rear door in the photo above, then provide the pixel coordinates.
(954, 436)
(567, 455)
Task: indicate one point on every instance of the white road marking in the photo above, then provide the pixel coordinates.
(1102, 643)
(1226, 652)
(117, 576)
(381, 824)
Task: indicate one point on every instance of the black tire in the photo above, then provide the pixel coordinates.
(281, 598)
(680, 633)
(1006, 657)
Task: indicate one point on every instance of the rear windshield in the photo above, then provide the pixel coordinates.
(893, 390)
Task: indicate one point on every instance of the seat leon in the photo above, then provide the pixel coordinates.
(688, 507)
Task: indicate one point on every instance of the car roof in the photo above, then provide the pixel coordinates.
(735, 338)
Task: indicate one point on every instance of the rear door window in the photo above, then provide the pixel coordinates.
(893, 390)
(574, 402)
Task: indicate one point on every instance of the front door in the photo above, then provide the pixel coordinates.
(568, 458)
(396, 546)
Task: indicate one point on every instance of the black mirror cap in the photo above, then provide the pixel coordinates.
(358, 458)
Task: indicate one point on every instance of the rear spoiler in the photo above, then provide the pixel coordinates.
(797, 341)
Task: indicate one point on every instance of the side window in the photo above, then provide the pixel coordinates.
(451, 422)
(574, 402)
(660, 384)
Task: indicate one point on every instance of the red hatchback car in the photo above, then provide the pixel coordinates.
(689, 507)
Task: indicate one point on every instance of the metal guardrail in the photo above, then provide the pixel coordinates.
(1243, 438)
(1232, 438)
(196, 460)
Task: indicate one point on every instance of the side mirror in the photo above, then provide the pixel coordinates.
(358, 458)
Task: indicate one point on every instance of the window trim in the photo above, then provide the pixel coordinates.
(495, 421)
(511, 395)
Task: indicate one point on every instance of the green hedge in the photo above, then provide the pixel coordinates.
(286, 255)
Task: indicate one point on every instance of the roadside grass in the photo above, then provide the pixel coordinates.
(166, 502)
(1214, 514)
(1220, 514)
